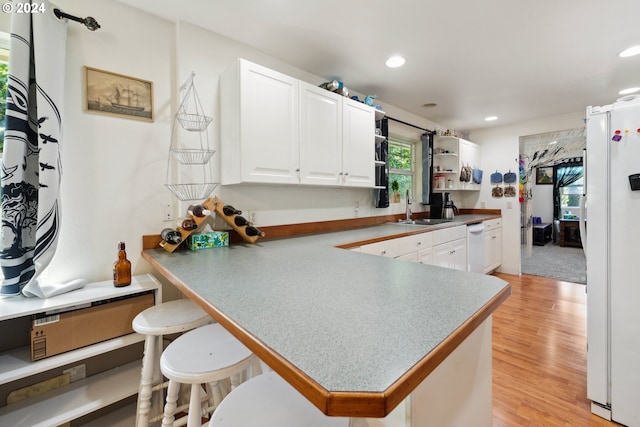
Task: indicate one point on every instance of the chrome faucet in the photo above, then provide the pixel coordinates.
(408, 207)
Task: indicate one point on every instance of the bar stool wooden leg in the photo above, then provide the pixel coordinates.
(170, 407)
(146, 380)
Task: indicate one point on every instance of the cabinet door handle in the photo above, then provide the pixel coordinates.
(383, 252)
(346, 173)
(419, 243)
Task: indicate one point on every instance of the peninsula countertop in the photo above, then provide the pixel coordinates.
(354, 333)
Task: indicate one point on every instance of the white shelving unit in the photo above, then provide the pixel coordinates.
(450, 153)
(80, 397)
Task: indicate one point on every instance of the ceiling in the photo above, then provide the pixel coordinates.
(515, 59)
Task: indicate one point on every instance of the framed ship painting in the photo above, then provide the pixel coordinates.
(118, 95)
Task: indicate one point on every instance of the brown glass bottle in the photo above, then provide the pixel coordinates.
(122, 268)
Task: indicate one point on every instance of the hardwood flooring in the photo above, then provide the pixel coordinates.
(539, 355)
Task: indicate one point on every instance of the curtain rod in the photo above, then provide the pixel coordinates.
(413, 126)
(89, 22)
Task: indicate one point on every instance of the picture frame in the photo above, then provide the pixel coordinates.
(114, 94)
(544, 175)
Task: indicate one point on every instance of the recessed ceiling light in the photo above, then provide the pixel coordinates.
(633, 50)
(395, 62)
(553, 142)
(491, 118)
(629, 90)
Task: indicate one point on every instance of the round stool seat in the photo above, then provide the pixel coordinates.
(162, 319)
(269, 401)
(170, 317)
(206, 354)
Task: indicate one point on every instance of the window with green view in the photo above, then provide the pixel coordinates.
(401, 166)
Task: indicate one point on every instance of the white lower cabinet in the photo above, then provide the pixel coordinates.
(492, 245)
(451, 255)
(425, 256)
(413, 257)
(450, 248)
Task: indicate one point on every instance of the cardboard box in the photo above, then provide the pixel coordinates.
(61, 332)
(211, 239)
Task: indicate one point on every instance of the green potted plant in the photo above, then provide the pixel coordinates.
(395, 191)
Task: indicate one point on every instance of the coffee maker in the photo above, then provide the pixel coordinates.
(450, 210)
(436, 203)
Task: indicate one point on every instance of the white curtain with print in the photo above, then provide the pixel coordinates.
(31, 169)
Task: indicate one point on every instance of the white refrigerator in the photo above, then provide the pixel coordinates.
(612, 246)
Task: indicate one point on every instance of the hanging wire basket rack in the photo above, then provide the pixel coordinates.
(193, 191)
(190, 117)
(193, 122)
(190, 113)
(192, 156)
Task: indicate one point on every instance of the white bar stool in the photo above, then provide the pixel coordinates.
(269, 401)
(167, 318)
(206, 355)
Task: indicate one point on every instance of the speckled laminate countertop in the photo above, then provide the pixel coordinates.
(334, 322)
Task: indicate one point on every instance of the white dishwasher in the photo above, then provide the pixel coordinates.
(475, 248)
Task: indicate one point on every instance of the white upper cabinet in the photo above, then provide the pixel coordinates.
(358, 162)
(320, 136)
(277, 129)
(259, 129)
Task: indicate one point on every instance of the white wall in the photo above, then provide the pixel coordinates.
(542, 198)
(114, 168)
(499, 151)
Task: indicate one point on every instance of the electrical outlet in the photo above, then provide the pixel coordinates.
(167, 211)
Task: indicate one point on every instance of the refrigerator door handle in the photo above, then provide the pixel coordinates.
(583, 222)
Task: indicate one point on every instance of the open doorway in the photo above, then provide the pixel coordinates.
(551, 173)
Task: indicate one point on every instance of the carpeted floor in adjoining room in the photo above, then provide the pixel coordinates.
(561, 263)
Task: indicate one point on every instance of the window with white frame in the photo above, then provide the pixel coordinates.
(402, 165)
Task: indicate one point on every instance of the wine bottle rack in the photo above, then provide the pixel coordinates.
(170, 247)
(214, 204)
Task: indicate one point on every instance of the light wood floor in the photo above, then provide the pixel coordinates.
(539, 355)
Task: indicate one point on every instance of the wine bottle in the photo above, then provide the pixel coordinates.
(187, 224)
(172, 236)
(229, 210)
(253, 231)
(121, 268)
(198, 210)
(240, 221)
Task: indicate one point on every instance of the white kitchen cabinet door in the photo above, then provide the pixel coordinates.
(320, 136)
(412, 256)
(492, 249)
(425, 256)
(259, 125)
(451, 255)
(358, 144)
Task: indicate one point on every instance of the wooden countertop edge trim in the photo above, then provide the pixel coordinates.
(375, 405)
